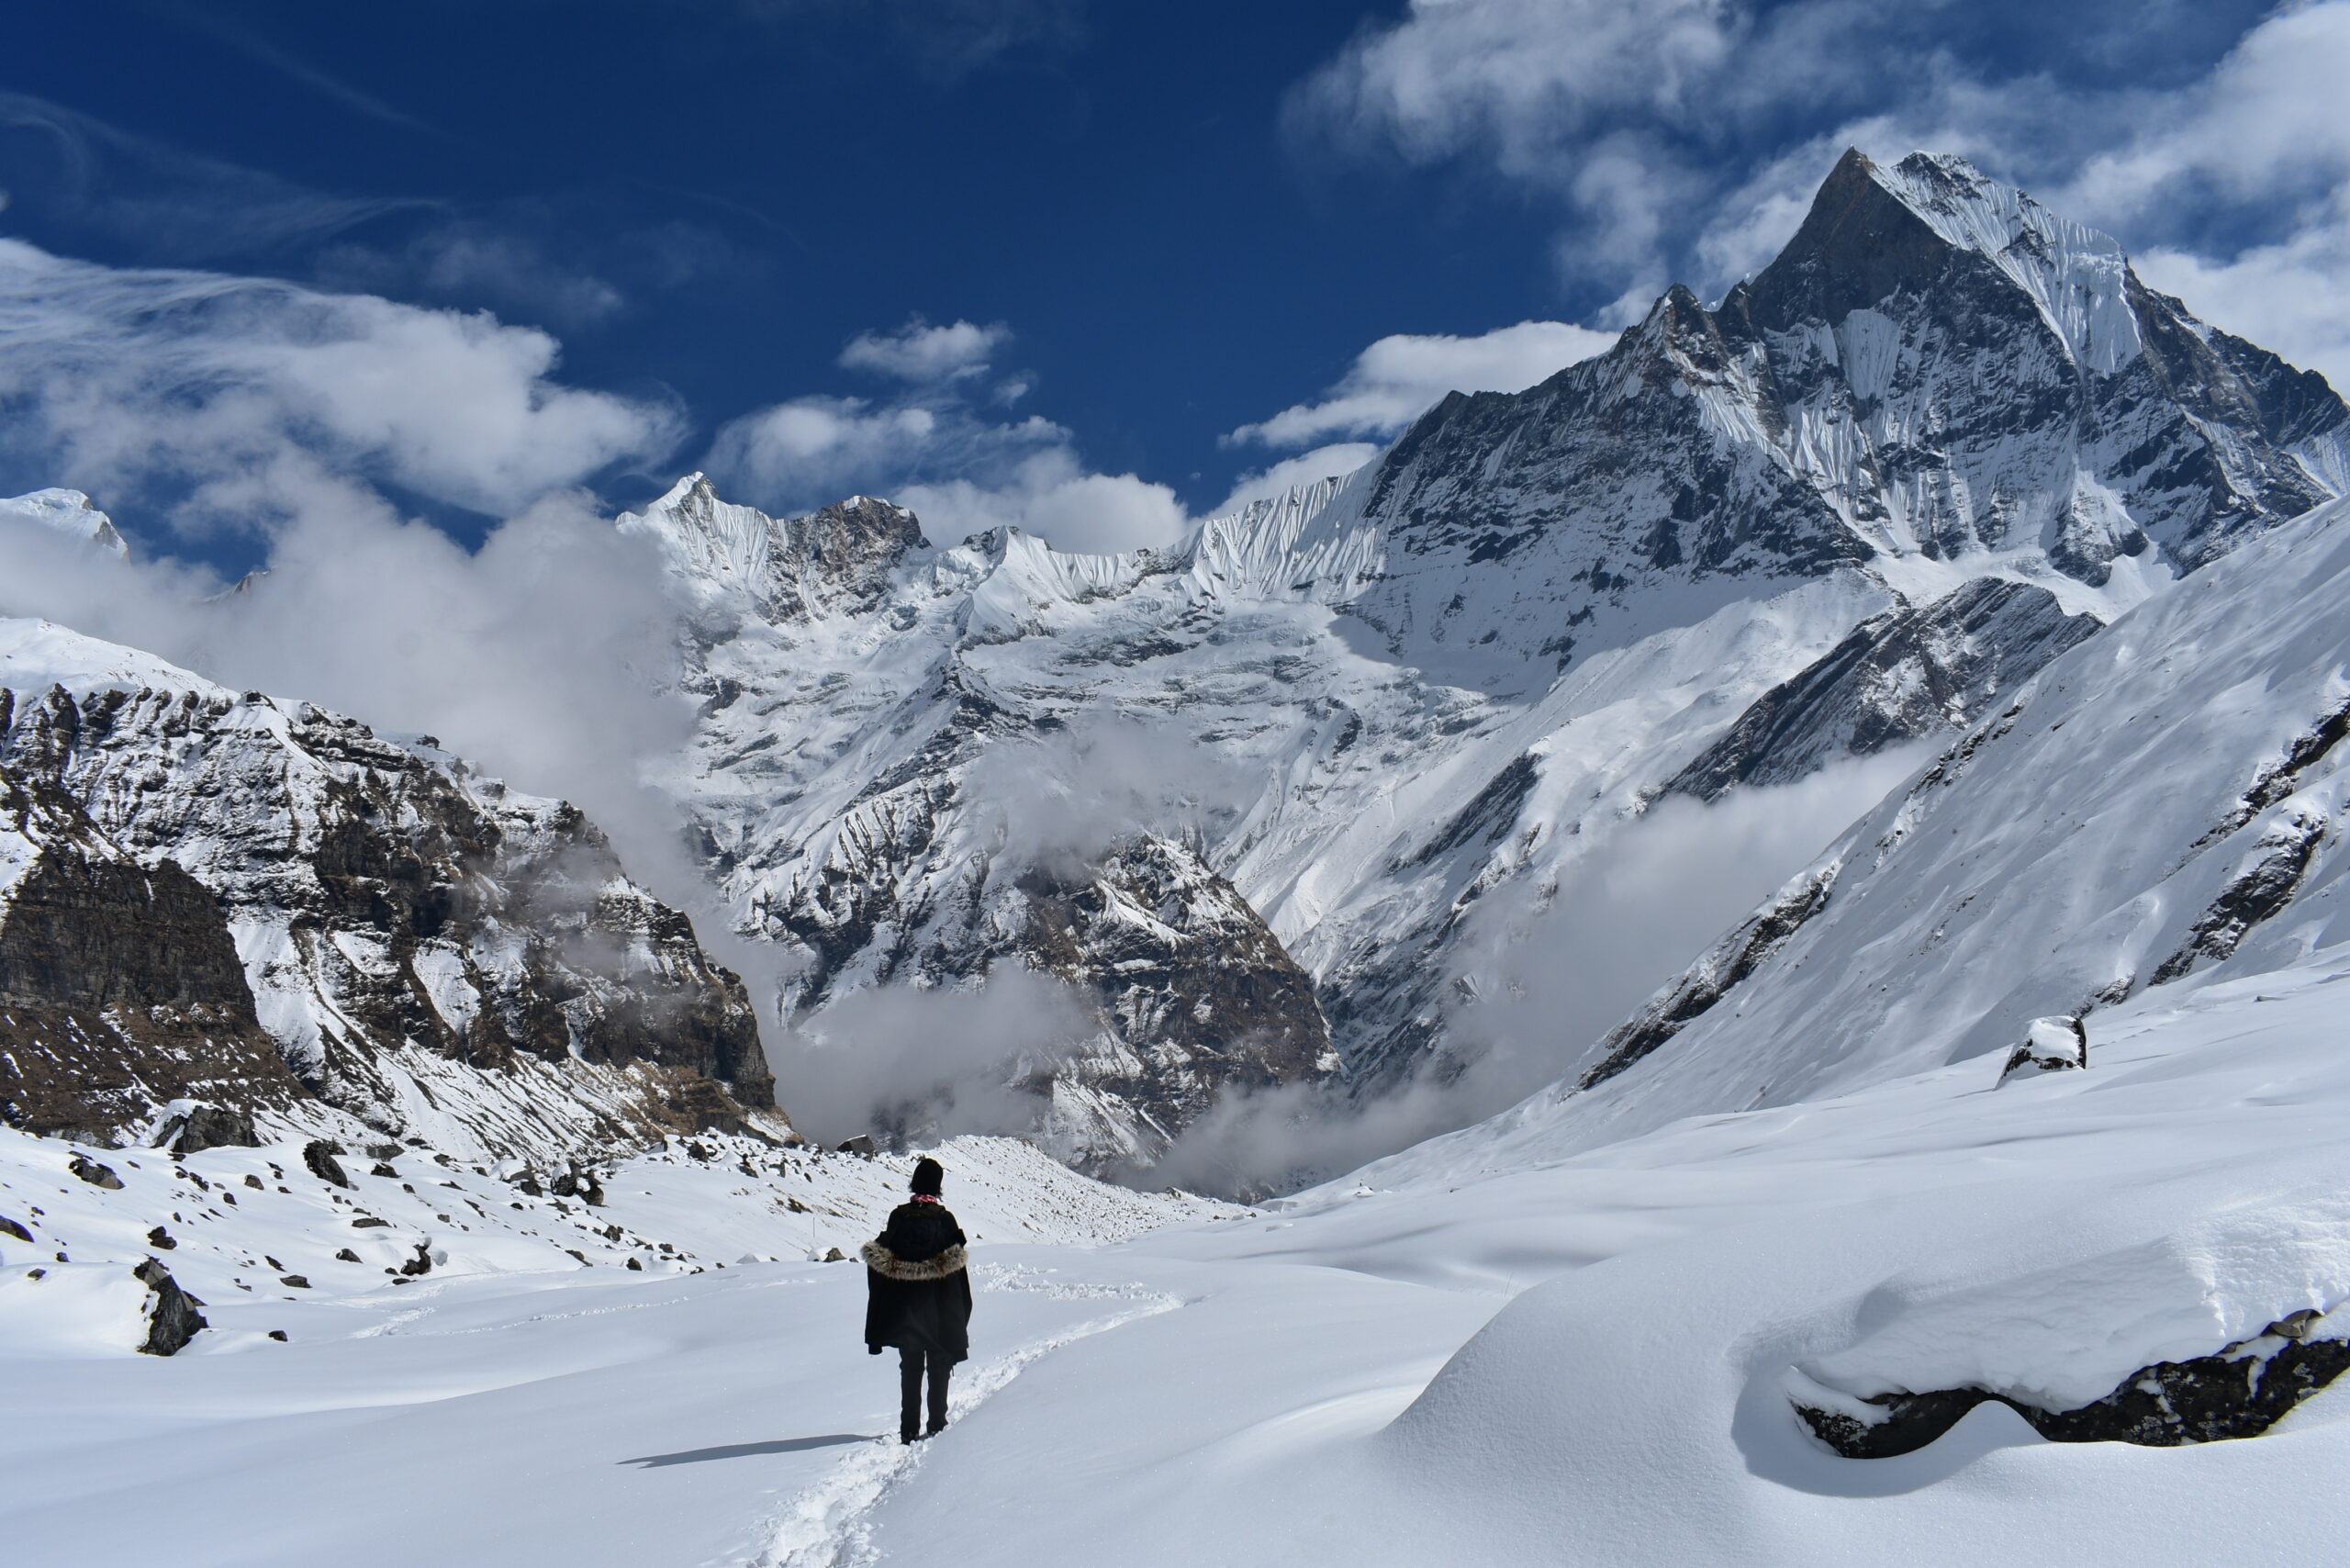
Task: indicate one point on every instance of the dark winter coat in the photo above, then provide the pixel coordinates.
(917, 1291)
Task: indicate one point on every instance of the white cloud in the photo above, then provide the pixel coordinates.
(1537, 978)
(1280, 478)
(1050, 494)
(1397, 378)
(2269, 118)
(932, 1062)
(923, 353)
(942, 449)
(2267, 126)
(1513, 78)
(2286, 297)
(253, 394)
(538, 656)
(812, 450)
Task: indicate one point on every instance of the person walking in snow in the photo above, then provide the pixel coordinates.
(918, 1298)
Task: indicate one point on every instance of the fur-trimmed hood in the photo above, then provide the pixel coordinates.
(889, 1265)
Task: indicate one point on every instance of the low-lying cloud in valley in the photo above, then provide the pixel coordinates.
(1542, 974)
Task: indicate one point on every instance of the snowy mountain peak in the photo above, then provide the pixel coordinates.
(1873, 231)
(36, 654)
(2078, 276)
(832, 561)
(69, 513)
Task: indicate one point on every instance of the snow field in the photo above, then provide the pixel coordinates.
(1362, 1376)
(1500, 1345)
(827, 1526)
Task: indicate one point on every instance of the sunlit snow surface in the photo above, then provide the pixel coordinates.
(1275, 1388)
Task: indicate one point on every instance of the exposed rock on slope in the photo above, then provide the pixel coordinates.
(2239, 1391)
(431, 951)
(1904, 675)
(119, 986)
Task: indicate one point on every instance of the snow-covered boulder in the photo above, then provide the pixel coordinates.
(2239, 1391)
(2049, 1045)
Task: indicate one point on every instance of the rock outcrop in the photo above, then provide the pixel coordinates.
(418, 945)
(173, 1319)
(1907, 675)
(119, 986)
(2239, 1391)
(2055, 1043)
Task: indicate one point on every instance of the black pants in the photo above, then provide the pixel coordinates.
(910, 1367)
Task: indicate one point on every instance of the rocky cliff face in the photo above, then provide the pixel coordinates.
(429, 951)
(1903, 676)
(119, 986)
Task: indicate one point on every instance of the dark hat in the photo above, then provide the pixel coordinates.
(928, 1175)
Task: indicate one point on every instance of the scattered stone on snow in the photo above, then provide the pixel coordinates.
(96, 1174)
(318, 1154)
(200, 1127)
(172, 1316)
(10, 1228)
(158, 1237)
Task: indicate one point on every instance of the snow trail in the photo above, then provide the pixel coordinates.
(829, 1524)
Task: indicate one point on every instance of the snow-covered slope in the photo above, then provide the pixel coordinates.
(2162, 804)
(1514, 1353)
(432, 952)
(69, 513)
(1939, 441)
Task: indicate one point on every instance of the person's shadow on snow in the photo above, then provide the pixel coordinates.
(744, 1451)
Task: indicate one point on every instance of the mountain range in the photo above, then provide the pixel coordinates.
(1264, 806)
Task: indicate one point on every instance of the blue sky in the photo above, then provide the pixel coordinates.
(1079, 264)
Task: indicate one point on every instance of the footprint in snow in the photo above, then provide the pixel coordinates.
(828, 1525)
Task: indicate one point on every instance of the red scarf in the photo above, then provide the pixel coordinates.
(925, 1197)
